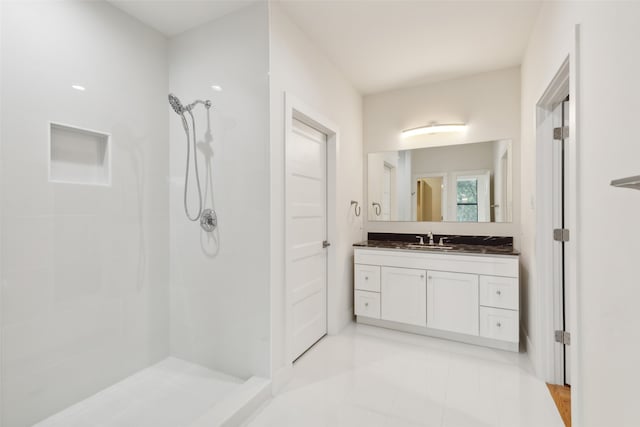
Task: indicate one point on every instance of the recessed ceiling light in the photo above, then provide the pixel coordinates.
(433, 129)
(78, 87)
(216, 88)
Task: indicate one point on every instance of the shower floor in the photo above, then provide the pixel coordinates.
(171, 393)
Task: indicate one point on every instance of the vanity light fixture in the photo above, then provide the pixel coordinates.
(435, 128)
(78, 87)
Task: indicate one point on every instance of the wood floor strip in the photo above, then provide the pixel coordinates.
(562, 397)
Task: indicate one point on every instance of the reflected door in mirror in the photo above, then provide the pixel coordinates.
(429, 199)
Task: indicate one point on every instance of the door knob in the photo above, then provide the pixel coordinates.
(498, 293)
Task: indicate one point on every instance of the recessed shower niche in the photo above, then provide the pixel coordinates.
(79, 156)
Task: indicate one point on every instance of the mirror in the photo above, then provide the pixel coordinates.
(454, 183)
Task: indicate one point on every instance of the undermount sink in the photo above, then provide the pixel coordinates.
(418, 246)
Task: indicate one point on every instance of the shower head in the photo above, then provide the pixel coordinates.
(176, 104)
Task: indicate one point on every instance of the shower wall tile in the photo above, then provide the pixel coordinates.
(220, 293)
(85, 268)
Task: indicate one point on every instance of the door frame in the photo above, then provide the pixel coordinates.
(548, 195)
(298, 110)
(549, 354)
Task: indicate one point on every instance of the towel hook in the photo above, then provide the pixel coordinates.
(377, 208)
(357, 209)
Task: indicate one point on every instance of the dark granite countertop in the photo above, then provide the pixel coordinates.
(451, 248)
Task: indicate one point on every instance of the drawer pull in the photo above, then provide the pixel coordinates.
(498, 292)
(366, 277)
(366, 304)
(499, 325)
(422, 276)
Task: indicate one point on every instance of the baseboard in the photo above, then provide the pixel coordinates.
(468, 339)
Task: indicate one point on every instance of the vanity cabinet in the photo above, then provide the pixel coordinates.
(465, 297)
(452, 300)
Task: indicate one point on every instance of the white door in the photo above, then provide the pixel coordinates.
(403, 295)
(306, 230)
(452, 302)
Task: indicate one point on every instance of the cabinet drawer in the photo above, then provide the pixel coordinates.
(499, 292)
(499, 324)
(367, 304)
(367, 277)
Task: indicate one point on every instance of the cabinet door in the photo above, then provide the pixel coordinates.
(404, 295)
(452, 300)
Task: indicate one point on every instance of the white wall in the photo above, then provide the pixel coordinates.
(489, 103)
(608, 103)
(84, 267)
(220, 281)
(299, 68)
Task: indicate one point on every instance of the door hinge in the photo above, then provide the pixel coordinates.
(563, 337)
(561, 235)
(326, 244)
(561, 133)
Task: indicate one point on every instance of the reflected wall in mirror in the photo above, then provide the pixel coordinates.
(454, 183)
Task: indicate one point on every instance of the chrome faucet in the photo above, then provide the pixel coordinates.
(421, 241)
(430, 234)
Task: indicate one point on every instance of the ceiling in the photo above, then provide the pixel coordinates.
(386, 44)
(171, 17)
(381, 44)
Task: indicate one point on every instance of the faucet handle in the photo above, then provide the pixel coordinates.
(421, 241)
(442, 241)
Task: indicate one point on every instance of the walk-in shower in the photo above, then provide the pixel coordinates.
(116, 309)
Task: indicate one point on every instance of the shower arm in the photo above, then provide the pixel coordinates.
(206, 103)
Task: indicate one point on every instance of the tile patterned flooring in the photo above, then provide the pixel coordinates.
(373, 377)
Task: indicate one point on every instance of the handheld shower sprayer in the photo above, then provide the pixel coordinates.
(180, 109)
(175, 103)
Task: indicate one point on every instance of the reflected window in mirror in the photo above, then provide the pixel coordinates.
(467, 200)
